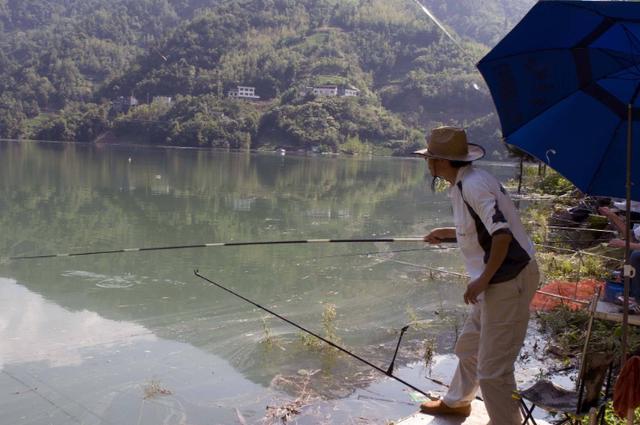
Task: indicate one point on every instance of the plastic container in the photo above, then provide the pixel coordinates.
(613, 290)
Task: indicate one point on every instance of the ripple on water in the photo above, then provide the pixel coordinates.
(104, 281)
(123, 281)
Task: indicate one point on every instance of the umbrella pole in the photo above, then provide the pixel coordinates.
(629, 272)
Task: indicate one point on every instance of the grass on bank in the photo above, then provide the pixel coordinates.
(558, 261)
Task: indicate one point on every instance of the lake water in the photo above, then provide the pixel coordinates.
(137, 338)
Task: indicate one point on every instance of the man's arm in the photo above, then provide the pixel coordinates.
(617, 221)
(499, 247)
(620, 243)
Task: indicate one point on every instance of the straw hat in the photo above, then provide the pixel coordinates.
(450, 143)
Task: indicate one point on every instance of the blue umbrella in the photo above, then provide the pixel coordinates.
(562, 81)
(565, 82)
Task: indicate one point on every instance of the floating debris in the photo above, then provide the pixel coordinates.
(155, 389)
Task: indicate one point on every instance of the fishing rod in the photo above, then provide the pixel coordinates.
(220, 244)
(388, 372)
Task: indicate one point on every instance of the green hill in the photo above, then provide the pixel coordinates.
(64, 62)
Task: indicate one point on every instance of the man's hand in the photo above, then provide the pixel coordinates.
(440, 234)
(606, 211)
(499, 247)
(475, 288)
(617, 243)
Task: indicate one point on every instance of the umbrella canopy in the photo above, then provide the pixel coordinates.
(562, 81)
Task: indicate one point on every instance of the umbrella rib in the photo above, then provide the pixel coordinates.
(579, 89)
(544, 50)
(597, 12)
(625, 79)
(633, 45)
(601, 163)
(635, 95)
(623, 62)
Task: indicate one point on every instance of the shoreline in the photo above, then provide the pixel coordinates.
(296, 153)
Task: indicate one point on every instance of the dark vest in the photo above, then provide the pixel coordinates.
(517, 258)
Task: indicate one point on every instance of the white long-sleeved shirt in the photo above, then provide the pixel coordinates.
(488, 210)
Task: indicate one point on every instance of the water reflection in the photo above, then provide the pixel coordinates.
(61, 367)
(226, 196)
(34, 330)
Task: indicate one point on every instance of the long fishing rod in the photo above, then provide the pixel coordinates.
(388, 372)
(219, 244)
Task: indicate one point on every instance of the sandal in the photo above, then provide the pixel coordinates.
(634, 307)
(620, 301)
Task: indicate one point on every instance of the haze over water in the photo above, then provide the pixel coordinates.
(137, 338)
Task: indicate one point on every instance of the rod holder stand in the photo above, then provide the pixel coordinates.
(390, 370)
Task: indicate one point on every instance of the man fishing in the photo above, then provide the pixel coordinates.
(499, 258)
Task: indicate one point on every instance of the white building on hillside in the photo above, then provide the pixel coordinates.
(165, 100)
(325, 90)
(334, 90)
(123, 103)
(243, 92)
(350, 91)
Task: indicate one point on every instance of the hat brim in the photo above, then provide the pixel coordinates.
(474, 152)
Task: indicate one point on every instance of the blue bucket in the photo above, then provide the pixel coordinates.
(613, 290)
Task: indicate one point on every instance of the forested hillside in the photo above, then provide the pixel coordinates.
(68, 67)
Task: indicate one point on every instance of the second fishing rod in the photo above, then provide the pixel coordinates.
(387, 372)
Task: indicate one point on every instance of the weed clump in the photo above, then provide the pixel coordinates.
(154, 389)
(269, 340)
(329, 316)
(567, 328)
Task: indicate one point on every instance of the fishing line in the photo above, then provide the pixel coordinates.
(578, 229)
(465, 53)
(562, 240)
(573, 251)
(435, 20)
(48, 400)
(218, 244)
(432, 269)
(394, 251)
(567, 220)
(388, 372)
(367, 397)
(62, 395)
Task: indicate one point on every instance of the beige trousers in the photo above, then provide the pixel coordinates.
(489, 345)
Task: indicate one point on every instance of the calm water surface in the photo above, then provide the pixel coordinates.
(136, 338)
